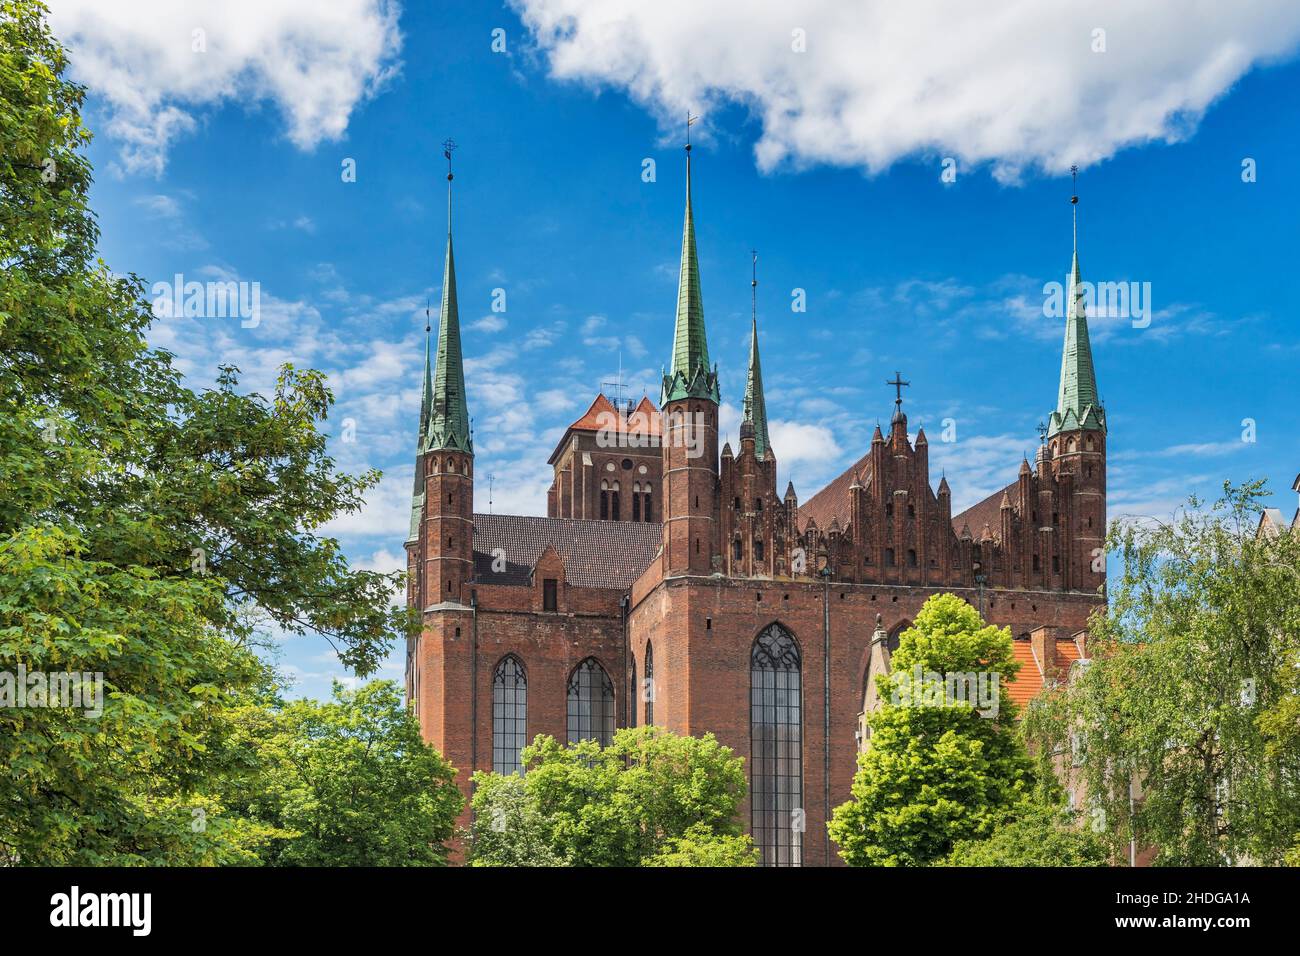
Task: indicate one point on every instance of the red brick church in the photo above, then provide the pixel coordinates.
(670, 583)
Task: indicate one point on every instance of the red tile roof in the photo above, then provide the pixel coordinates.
(602, 414)
(1028, 684)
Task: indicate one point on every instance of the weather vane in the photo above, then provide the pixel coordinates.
(447, 146)
(1042, 432)
(690, 120)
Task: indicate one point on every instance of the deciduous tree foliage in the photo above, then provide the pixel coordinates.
(935, 774)
(650, 792)
(1038, 836)
(139, 520)
(348, 782)
(1190, 693)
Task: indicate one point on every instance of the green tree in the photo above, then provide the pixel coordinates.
(1037, 836)
(617, 806)
(1189, 684)
(936, 771)
(509, 828)
(140, 521)
(700, 846)
(347, 782)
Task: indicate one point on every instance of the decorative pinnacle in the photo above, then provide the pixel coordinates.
(1042, 432)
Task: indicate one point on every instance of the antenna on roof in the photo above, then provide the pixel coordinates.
(490, 478)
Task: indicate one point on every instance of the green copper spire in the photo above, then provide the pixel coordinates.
(755, 409)
(449, 414)
(426, 404)
(690, 376)
(1077, 404)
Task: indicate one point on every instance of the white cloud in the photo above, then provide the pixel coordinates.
(488, 324)
(796, 442)
(1019, 86)
(315, 61)
(160, 206)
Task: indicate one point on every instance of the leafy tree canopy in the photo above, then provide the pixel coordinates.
(935, 771)
(143, 525)
(1188, 704)
(650, 792)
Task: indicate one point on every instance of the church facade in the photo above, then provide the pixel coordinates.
(672, 584)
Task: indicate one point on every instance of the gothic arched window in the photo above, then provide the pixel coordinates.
(604, 500)
(613, 504)
(509, 714)
(591, 704)
(776, 747)
(636, 501)
(645, 507)
(632, 694)
(649, 694)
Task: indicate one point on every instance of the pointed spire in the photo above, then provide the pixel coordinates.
(943, 485)
(691, 375)
(755, 408)
(426, 390)
(426, 403)
(449, 413)
(1077, 404)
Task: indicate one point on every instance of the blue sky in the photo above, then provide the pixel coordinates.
(940, 280)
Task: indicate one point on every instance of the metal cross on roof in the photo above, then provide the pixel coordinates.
(898, 384)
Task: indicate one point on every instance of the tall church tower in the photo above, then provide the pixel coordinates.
(1076, 444)
(440, 546)
(690, 425)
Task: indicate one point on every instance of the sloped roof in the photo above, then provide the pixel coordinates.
(833, 500)
(988, 511)
(1029, 682)
(602, 412)
(596, 554)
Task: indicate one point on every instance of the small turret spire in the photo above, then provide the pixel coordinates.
(755, 408)
(426, 404)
